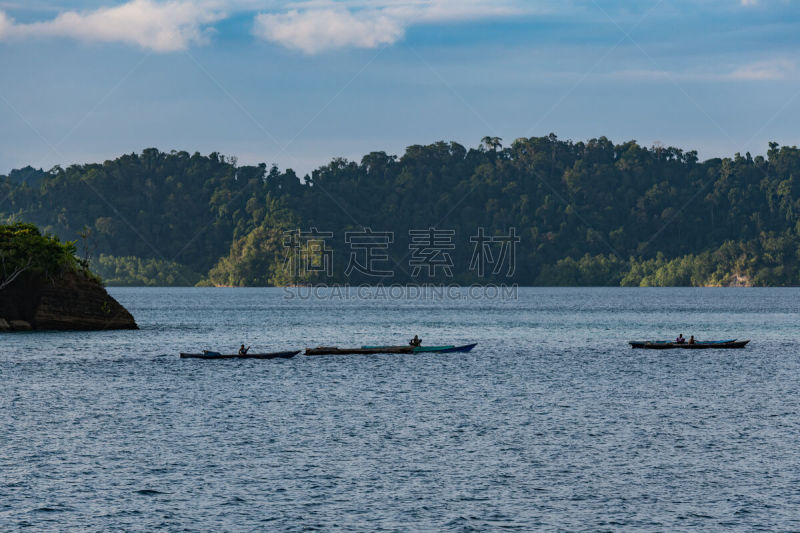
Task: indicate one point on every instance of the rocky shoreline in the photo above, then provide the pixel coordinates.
(74, 301)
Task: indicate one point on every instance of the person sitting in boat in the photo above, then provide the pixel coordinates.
(243, 350)
(681, 339)
(416, 341)
(691, 339)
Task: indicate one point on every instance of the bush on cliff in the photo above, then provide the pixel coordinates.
(24, 251)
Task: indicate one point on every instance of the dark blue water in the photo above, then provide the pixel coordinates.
(552, 422)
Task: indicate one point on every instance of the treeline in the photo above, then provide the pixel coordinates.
(586, 213)
(134, 271)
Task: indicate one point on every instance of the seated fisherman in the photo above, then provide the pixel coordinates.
(681, 339)
(243, 350)
(416, 341)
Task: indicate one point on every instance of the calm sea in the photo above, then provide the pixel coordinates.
(552, 422)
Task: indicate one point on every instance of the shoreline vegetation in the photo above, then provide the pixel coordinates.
(588, 213)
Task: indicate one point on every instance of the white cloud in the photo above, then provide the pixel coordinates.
(314, 31)
(308, 25)
(159, 26)
(5, 24)
(315, 26)
(775, 69)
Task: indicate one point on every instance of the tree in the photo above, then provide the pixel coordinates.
(492, 143)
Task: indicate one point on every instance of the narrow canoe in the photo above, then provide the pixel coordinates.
(370, 350)
(445, 349)
(335, 350)
(705, 345)
(726, 341)
(273, 355)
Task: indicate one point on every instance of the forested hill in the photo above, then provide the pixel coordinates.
(586, 213)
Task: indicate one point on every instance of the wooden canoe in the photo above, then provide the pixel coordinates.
(445, 349)
(273, 355)
(704, 345)
(370, 350)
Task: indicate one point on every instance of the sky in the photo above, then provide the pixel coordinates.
(296, 83)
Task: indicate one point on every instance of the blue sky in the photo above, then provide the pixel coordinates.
(297, 83)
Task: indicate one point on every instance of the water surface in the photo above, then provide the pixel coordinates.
(552, 422)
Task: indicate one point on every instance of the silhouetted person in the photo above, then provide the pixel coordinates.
(680, 339)
(243, 350)
(691, 339)
(416, 341)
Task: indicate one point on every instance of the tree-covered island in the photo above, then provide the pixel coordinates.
(586, 213)
(43, 285)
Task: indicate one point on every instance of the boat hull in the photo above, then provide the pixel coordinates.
(371, 350)
(273, 355)
(335, 350)
(445, 349)
(714, 345)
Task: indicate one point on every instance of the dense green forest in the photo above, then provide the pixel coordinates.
(585, 213)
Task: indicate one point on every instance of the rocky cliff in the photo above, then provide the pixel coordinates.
(73, 301)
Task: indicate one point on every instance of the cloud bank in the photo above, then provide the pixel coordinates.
(319, 26)
(161, 27)
(773, 69)
(311, 26)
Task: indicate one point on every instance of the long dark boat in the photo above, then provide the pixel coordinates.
(370, 350)
(215, 355)
(699, 345)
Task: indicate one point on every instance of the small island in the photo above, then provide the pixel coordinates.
(44, 286)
